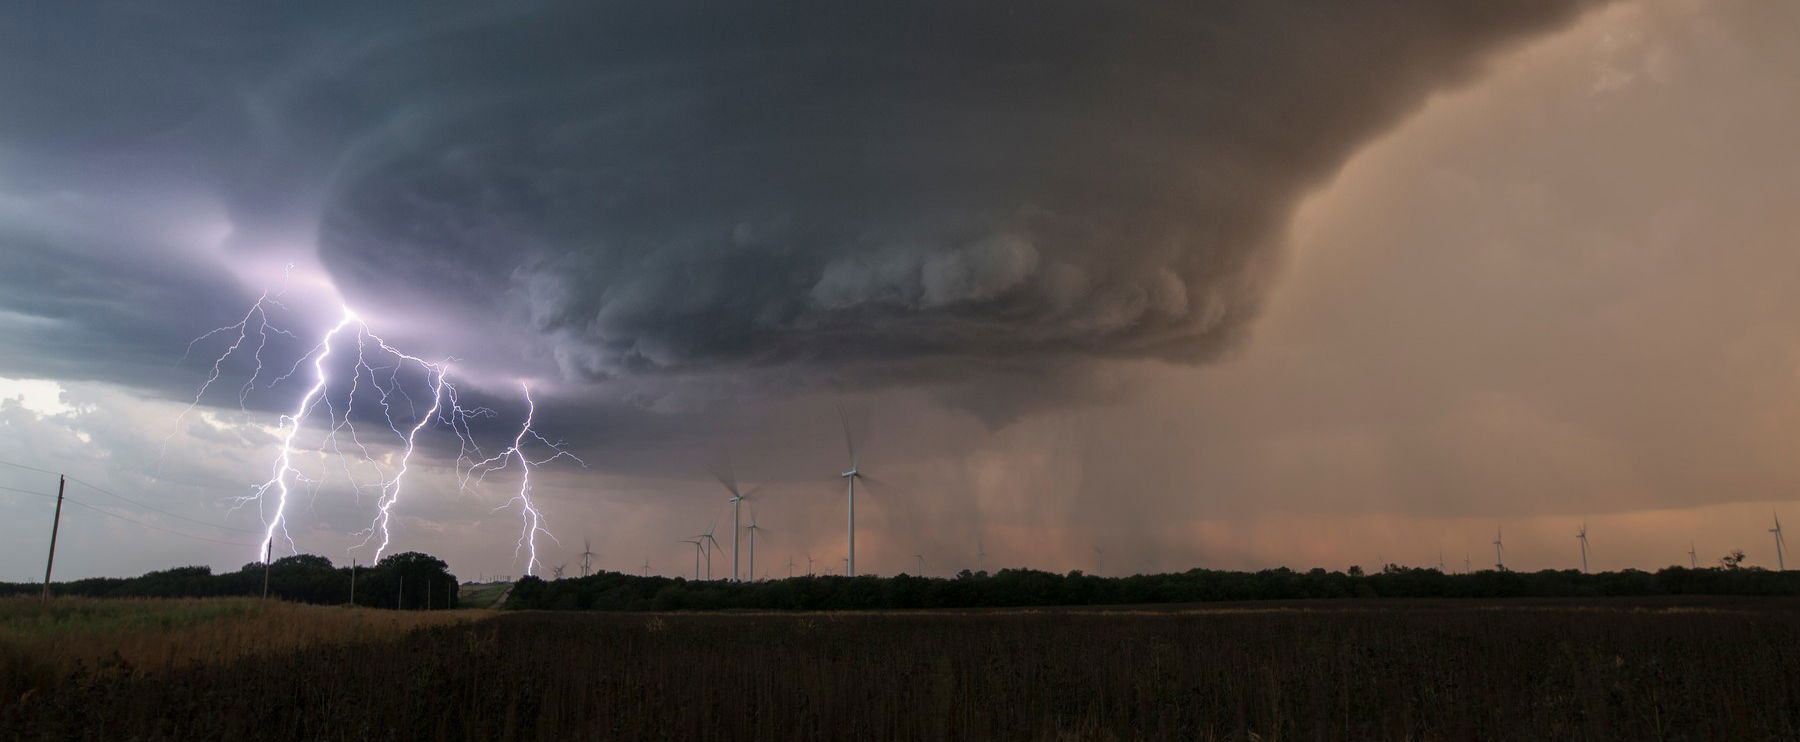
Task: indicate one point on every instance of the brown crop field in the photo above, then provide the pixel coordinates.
(1391, 669)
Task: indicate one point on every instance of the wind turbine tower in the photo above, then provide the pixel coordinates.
(1780, 545)
(1581, 535)
(1500, 549)
(587, 556)
(980, 556)
(1099, 562)
(850, 478)
(1693, 559)
(753, 528)
(921, 558)
(711, 543)
(728, 477)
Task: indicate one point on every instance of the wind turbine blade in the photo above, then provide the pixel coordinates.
(849, 443)
(725, 475)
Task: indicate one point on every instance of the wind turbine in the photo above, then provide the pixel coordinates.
(1581, 535)
(711, 543)
(556, 571)
(809, 561)
(1099, 562)
(587, 556)
(921, 558)
(1441, 561)
(850, 478)
(728, 477)
(790, 568)
(1499, 549)
(980, 556)
(696, 543)
(646, 568)
(1780, 544)
(1693, 559)
(753, 528)
(1465, 562)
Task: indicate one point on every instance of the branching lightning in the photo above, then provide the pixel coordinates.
(531, 519)
(336, 393)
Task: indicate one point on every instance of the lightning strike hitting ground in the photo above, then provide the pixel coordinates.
(531, 520)
(272, 496)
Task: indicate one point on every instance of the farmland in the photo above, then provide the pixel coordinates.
(1641, 668)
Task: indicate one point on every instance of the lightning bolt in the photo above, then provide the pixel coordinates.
(531, 519)
(290, 424)
(272, 496)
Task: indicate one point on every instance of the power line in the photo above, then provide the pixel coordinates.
(159, 510)
(29, 492)
(29, 468)
(143, 505)
(154, 527)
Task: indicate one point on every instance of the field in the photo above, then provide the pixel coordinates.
(1520, 669)
(44, 643)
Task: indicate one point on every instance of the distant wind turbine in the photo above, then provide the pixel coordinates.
(850, 476)
(809, 561)
(753, 529)
(587, 556)
(1581, 535)
(728, 477)
(711, 543)
(646, 568)
(1780, 544)
(790, 568)
(1099, 562)
(1499, 549)
(980, 556)
(1693, 559)
(921, 558)
(556, 571)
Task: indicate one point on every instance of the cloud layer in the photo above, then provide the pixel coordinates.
(685, 187)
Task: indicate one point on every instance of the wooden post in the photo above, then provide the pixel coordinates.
(400, 594)
(353, 582)
(268, 551)
(55, 523)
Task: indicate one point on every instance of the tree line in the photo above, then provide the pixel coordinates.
(613, 591)
(407, 580)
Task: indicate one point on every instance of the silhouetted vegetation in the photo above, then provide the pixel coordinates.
(1655, 668)
(406, 580)
(612, 591)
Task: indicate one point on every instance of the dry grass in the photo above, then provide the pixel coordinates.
(43, 641)
(1418, 670)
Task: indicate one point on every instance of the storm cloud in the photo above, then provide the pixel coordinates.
(721, 187)
(648, 189)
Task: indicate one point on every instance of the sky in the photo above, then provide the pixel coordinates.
(1236, 286)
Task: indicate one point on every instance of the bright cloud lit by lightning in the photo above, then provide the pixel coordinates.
(349, 365)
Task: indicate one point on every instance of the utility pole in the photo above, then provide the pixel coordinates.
(400, 594)
(268, 551)
(353, 582)
(55, 523)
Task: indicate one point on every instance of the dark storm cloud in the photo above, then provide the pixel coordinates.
(657, 188)
(749, 186)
